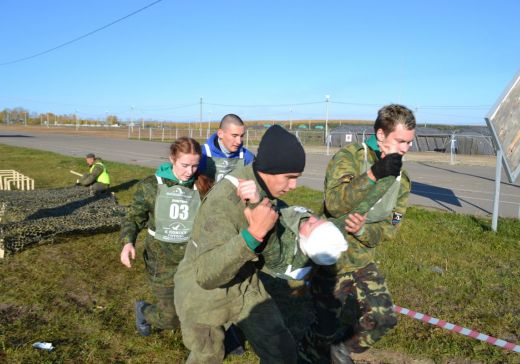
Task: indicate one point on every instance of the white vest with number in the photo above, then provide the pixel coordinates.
(175, 210)
(217, 167)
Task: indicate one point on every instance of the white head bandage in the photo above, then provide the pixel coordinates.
(324, 245)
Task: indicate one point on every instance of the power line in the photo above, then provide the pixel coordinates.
(80, 37)
(169, 107)
(455, 107)
(353, 103)
(272, 105)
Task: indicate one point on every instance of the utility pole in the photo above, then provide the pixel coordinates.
(209, 124)
(290, 119)
(327, 97)
(200, 118)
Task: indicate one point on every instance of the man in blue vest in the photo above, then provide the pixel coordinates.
(224, 150)
(97, 178)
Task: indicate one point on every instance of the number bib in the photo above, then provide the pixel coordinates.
(217, 168)
(175, 210)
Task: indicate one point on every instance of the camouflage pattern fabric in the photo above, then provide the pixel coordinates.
(346, 186)
(217, 283)
(161, 259)
(366, 306)
(282, 249)
(366, 313)
(39, 216)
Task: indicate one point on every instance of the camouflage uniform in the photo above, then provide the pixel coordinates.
(283, 257)
(91, 179)
(217, 283)
(161, 258)
(366, 305)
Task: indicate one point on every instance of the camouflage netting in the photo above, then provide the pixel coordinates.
(35, 217)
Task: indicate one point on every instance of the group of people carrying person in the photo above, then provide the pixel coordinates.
(215, 219)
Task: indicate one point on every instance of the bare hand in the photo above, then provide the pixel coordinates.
(247, 190)
(354, 223)
(127, 253)
(261, 219)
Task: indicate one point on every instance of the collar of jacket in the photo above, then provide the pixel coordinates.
(262, 183)
(165, 170)
(372, 144)
(213, 144)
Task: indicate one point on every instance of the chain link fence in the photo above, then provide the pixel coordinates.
(469, 144)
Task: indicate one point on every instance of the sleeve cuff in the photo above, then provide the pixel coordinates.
(360, 232)
(251, 242)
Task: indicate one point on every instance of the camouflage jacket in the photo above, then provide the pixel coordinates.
(283, 248)
(89, 178)
(218, 268)
(140, 213)
(346, 186)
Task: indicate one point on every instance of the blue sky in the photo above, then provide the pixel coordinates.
(448, 60)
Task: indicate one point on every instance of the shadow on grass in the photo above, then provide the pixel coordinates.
(66, 209)
(124, 186)
(484, 225)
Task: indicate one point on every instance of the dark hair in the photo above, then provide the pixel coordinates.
(187, 145)
(388, 117)
(230, 119)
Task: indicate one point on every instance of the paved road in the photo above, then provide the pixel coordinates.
(458, 188)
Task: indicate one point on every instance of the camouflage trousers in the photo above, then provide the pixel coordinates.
(360, 312)
(98, 187)
(161, 260)
(260, 321)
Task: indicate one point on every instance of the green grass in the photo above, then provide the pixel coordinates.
(77, 295)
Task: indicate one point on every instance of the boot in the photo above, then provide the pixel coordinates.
(339, 354)
(233, 342)
(143, 327)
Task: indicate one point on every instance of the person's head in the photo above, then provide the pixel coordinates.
(307, 226)
(280, 160)
(185, 154)
(321, 241)
(90, 158)
(395, 129)
(231, 132)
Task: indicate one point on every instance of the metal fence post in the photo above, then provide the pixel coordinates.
(496, 203)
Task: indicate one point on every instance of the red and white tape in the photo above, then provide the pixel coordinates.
(459, 329)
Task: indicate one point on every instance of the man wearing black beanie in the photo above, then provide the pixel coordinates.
(217, 282)
(279, 162)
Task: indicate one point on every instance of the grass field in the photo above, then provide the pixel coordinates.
(75, 293)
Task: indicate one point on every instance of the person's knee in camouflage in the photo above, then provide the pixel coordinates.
(367, 309)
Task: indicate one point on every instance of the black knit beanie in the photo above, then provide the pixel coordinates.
(279, 152)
